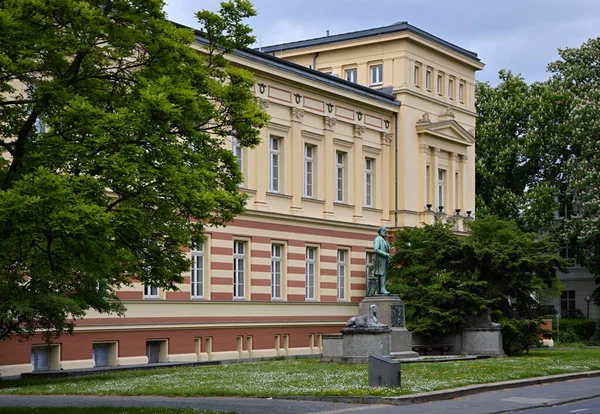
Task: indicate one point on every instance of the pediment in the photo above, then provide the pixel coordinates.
(447, 130)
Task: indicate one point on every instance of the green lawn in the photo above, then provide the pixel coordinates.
(310, 377)
(101, 410)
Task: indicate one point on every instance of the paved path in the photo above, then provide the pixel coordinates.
(492, 398)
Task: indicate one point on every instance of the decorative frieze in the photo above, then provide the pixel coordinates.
(262, 103)
(329, 122)
(359, 129)
(297, 114)
(448, 112)
(424, 119)
(424, 148)
(386, 138)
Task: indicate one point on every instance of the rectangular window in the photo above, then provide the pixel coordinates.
(150, 292)
(441, 178)
(567, 303)
(428, 185)
(341, 274)
(416, 73)
(100, 354)
(239, 269)
(198, 272)
(451, 88)
(311, 253)
(376, 74)
(370, 261)
(339, 176)
(461, 92)
(439, 84)
(351, 75)
(428, 80)
(276, 253)
(236, 148)
(369, 182)
(457, 200)
(309, 153)
(40, 358)
(274, 147)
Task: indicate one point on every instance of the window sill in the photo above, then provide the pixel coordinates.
(313, 200)
(373, 209)
(341, 204)
(376, 84)
(271, 193)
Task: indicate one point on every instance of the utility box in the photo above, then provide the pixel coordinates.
(383, 371)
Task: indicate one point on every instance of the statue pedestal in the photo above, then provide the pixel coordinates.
(483, 341)
(391, 312)
(360, 343)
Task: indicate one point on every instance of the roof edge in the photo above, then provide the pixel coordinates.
(300, 70)
(378, 31)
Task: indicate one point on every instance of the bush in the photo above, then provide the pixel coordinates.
(582, 328)
(568, 336)
(518, 335)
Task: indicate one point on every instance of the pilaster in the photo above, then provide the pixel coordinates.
(297, 170)
(359, 174)
(329, 164)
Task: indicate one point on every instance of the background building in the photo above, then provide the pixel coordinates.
(381, 133)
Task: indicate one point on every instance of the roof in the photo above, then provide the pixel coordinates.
(378, 31)
(290, 67)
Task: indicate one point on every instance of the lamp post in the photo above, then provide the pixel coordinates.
(588, 300)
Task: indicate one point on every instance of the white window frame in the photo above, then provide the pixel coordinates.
(151, 292)
(376, 74)
(310, 273)
(351, 75)
(416, 75)
(341, 274)
(238, 153)
(370, 258)
(428, 79)
(276, 272)
(309, 170)
(274, 164)
(197, 273)
(441, 187)
(369, 168)
(239, 269)
(340, 178)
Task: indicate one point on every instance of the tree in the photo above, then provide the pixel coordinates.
(114, 153)
(579, 74)
(445, 278)
(522, 149)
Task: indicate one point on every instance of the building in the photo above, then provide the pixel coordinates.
(368, 128)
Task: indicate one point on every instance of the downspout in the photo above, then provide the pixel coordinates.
(396, 167)
(314, 66)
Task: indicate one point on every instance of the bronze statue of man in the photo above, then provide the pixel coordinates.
(382, 259)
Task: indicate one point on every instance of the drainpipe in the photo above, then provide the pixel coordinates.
(396, 167)
(315, 60)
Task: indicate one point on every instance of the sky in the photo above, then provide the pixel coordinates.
(519, 35)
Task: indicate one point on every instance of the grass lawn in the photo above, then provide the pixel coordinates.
(100, 410)
(310, 377)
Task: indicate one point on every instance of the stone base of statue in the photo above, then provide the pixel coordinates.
(391, 313)
(359, 343)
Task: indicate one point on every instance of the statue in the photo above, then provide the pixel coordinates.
(368, 320)
(382, 259)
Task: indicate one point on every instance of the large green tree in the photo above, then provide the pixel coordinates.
(113, 134)
(445, 278)
(523, 145)
(578, 73)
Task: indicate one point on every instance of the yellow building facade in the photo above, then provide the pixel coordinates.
(367, 129)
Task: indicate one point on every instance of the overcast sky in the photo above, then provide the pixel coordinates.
(520, 35)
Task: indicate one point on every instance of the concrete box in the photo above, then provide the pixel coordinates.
(383, 372)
